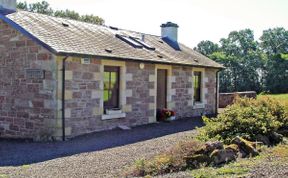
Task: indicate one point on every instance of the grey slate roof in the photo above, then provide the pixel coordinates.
(81, 38)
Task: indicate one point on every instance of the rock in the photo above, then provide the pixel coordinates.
(275, 138)
(195, 161)
(264, 139)
(283, 131)
(245, 146)
(233, 147)
(209, 147)
(223, 156)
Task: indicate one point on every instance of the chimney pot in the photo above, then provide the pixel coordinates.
(7, 6)
(170, 30)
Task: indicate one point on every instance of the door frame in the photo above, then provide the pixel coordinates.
(169, 87)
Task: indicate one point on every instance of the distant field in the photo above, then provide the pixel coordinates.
(280, 97)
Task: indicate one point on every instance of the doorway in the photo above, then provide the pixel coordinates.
(161, 89)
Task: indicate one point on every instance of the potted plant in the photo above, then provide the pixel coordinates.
(165, 115)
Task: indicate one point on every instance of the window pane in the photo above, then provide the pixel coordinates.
(111, 87)
(106, 80)
(113, 79)
(106, 95)
(197, 86)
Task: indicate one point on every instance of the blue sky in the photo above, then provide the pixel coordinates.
(198, 19)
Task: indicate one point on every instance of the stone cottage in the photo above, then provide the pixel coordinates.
(62, 78)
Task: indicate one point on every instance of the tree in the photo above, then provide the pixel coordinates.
(67, 14)
(92, 19)
(207, 47)
(44, 8)
(241, 56)
(251, 65)
(41, 7)
(22, 6)
(274, 42)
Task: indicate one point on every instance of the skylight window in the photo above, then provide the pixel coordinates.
(142, 43)
(129, 41)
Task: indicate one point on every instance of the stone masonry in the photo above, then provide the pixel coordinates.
(31, 107)
(27, 106)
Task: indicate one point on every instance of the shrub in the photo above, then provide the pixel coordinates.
(246, 118)
(169, 161)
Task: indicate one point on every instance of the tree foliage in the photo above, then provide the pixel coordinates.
(207, 47)
(250, 64)
(274, 43)
(44, 8)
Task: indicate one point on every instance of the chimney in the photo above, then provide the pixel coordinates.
(7, 6)
(169, 30)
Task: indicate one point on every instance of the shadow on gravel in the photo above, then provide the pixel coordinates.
(16, 153)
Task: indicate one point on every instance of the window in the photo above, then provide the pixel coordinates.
(145, 45)
(111, 87)
(197, 78)
(135, 42)
(129, 41)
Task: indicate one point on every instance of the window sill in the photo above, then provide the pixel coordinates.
(199, 106)
(113, 116)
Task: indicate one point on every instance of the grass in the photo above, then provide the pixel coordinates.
(242, 167)
(280, 97)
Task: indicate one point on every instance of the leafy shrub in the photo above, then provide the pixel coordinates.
(246, 118)
(169, 161)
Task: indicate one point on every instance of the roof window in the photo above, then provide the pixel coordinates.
(129, 41)
(135, 42)
(145, 45)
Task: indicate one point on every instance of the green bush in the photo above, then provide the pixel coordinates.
(246, 118)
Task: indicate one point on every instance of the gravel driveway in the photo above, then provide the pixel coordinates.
(104, 154)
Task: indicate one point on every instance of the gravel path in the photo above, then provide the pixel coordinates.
(272, 168)
(105, 154)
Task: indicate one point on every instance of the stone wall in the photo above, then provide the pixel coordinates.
(141, 100)
(84, 94)
(226, 99)
(27, 106)
(182, 92)
(182, 89)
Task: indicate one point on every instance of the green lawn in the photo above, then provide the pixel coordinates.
(277, 96)
(280, 97)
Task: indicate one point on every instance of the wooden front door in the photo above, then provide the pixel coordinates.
(161, 88)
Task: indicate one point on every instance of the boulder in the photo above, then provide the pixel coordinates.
(209, 147)
(275, 138)
(246, 147)
(223, 156)
(264, 139)
(232, 147)
(195, 161)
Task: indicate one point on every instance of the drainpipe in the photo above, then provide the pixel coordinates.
(217, 93)
(63, 97)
